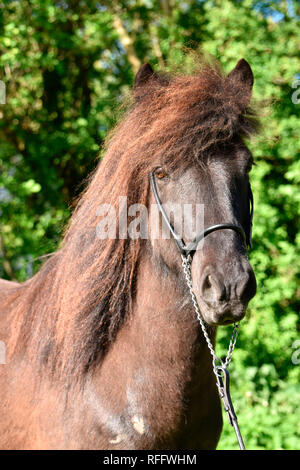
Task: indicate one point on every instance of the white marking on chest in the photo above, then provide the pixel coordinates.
(138, 424)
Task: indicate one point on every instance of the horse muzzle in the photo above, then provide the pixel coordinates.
(223, 297)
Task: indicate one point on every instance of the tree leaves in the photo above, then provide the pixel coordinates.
(68, 65)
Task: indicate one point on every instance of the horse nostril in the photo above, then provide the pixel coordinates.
(207, 283)
(247, 286)
(212, 289)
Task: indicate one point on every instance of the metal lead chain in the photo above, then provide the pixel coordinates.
(219, 367)
(186, 264)
(232, 343)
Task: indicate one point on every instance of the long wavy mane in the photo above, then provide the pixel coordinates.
(70, 312)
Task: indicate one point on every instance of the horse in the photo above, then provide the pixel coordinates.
(103, 348)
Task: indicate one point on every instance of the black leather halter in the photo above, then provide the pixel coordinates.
(190, 248)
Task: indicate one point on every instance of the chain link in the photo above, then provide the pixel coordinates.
(219, 367)
(217, 362)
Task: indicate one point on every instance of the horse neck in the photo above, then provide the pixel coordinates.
(160, 343)
(163, 311)
(158, 357)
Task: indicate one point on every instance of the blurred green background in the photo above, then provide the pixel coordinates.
(67, 65)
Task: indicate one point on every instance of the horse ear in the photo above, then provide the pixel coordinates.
(242, 73)
(144, 74)
(242, 77)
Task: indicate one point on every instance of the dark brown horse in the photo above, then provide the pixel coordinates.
(103, 347)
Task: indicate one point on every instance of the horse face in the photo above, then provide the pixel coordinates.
(213, 192)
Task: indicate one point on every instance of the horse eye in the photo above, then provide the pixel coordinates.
(160, 173)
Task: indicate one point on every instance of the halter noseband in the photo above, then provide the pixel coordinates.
(190, 248)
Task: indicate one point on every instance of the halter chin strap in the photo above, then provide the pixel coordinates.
(190, 248)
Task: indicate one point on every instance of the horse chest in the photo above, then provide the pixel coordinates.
(155, 412)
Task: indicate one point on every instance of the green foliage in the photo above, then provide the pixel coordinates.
(67, 66)
(266, 382)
